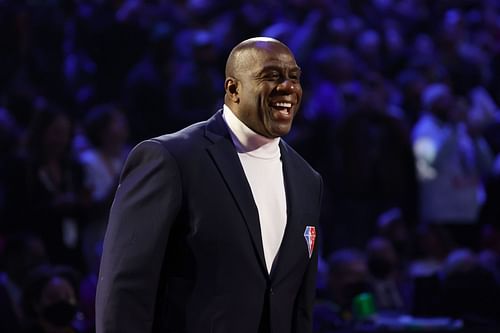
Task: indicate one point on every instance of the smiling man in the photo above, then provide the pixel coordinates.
(263, 86)
(213, 228)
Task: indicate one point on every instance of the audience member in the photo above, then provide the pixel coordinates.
(22, 253)
(451, 162)
(200, 73)
(390, 287)
(50, 301)
(392, 226)
(347, 277)
(45, 192)
(469, 291)
(146, 90)
(432, 246)
(107, 130)
(373, 169)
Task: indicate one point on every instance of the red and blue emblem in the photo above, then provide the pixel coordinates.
(310, 236)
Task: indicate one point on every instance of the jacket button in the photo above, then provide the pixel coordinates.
(271, 291)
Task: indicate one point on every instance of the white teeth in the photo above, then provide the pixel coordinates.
(283, 105)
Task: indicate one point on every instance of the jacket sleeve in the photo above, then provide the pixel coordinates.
(303, 311)
(145, 207)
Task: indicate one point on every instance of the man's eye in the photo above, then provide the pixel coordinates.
(295, 76)
(273, 76)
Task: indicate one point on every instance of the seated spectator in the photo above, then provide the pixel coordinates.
(469, 291)
(390, 288)
(336, 84)
(45, 192)
(433, 244)
(50, 301)
(107, 130)
(392, 226)
(22, 253)
(347, 278)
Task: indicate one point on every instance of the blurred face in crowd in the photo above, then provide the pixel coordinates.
(57, 136)
(382, 258)
(57, 305)
(117, 132)
(348, 280)
(263, 86)
(443, 106)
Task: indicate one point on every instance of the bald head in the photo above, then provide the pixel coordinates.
(238, 58)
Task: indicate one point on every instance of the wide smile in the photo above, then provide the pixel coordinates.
(282, 110)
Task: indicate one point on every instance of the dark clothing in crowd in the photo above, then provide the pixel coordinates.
(52, 209)
(372, 171)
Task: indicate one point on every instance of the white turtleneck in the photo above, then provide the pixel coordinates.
(261, 161)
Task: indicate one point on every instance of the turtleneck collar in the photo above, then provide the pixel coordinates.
(247, 141)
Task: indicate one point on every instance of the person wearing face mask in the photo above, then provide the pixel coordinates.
(213, 228)
(390, 287)
(347, 277)
(49, 301)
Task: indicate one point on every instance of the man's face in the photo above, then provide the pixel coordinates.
(269, 90)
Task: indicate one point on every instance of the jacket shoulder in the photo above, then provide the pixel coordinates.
(185, 141)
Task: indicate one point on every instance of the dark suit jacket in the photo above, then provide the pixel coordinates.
(183, 249)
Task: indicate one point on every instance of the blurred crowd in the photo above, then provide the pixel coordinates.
(400, 116)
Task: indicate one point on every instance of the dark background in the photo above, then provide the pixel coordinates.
(157, 66)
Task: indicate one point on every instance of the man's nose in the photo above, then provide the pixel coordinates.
(288, 86)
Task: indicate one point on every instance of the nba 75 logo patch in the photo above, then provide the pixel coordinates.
(310, 236)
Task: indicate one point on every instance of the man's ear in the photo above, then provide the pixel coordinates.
(231, 88)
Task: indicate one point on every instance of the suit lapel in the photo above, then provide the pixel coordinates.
(293, 245)
(226, 158)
